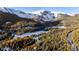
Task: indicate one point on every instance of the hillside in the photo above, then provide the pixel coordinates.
(21, 31)
(70, 21)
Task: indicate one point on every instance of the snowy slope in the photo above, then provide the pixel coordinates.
(37, 15)
(44, 15)
(40, 15)
(17, 12)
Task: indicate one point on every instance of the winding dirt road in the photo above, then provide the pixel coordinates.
(74, 48)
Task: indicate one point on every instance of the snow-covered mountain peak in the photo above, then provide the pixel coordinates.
(39, 15)
(44, 15)
(3, 9)
(8, 10)
(37, 12)
(17, 12)
(56, 13)
(41, 12)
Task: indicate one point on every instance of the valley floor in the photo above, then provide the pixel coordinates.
(54, 39)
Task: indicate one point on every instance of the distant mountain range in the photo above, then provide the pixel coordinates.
(18, 21)
(41, 15)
